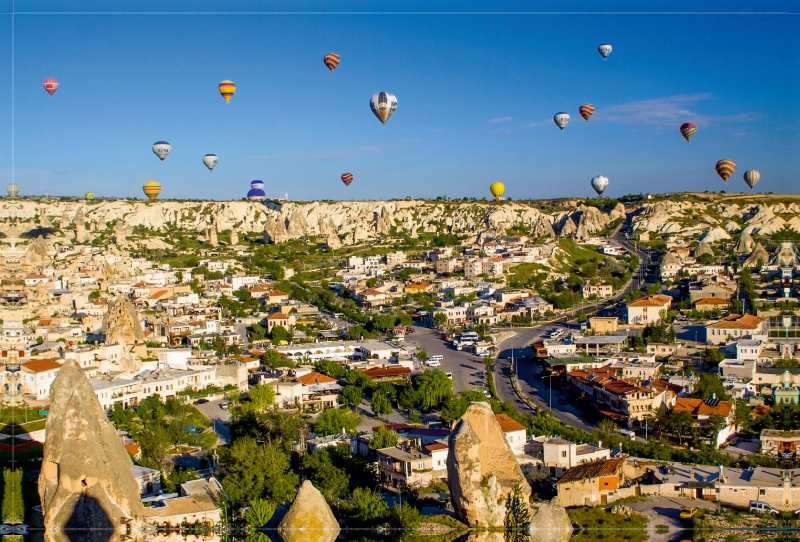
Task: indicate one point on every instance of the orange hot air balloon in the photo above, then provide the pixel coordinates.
(227, 88)
(151, 189)
(331, 61)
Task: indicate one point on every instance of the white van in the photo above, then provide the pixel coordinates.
(430, 362)
(760, 507)
(437, 357)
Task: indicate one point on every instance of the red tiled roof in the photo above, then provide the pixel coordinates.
(277, 316)
(508, 424)
(737, 321)
(697, 407)
(379, 372)
(436, 446)
(313, 378)
(41, 365)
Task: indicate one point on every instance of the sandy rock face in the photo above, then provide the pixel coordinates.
(758, 256)
(715, 234)
(86, 481)
(745, 244)
(123, 324)
(481, 468)
(550, 523)
(703, 248)
(309, 519)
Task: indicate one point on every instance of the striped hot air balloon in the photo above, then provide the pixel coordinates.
(725, 169)
(586, 111)
(50, 85)
(331, 60)
(687, 131)
(151, 189)
(347, 178)
(227, 88)
(751, 177)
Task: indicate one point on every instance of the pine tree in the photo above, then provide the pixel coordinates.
(518, 517)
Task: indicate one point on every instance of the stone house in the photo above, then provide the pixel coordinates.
(412, 464)
(599, 289)
(198, 501)
(589, 484)
(710, 303)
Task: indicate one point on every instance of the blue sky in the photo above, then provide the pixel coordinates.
(476, 96)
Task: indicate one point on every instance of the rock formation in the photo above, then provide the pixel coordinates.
(122, 323)
(550, 523)
(297, 225)
(80, 226)
(86, 481)
(567, 227)
(333, 241)
(119, 233)
(714, 235)
(234, 237)
(758, 256)
(702, 248)
(617, 212)
(481, 469)
(745, 244)
(212, 236)
(309, 519)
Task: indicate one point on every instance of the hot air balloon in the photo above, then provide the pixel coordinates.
(162, 149)
(331, 60)
(210, 160)
(256, 192)
(725, 169)
(347, 178)
(751, 177)
(599, 183)
(12, 189)
(497, 190)
(89, 196)
(687, 130)
(604, 50)
(151, 189)
(227, 88)
(561, 120)
(586, 111)
(383, 106)
(50, 85)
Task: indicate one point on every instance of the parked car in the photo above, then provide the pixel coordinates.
(430, 362)
(201, 401)
(688, 513)
(450, 376)
(481, 374)
(760, 507)
(223, 406)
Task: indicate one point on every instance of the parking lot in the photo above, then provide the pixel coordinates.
(219, 419)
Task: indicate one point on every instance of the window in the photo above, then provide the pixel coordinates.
(563, 454)
(762, 491)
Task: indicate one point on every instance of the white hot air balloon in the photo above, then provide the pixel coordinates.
(210, 160)
(599, 183)
(383, 106)
(561, 120)
(162, 149)
(604, 50)
(751, 177)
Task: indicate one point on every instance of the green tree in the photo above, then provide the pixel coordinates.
(709, 385)
(279, 334)
(369, 506)
(251, 471)
(715, 424)
(330, 368)
(712, 357)
(518, 516)
(434, 388)
(381, 405)
(271, 357)
(384, 438)
(121, 417)
(94, 294)
(259, 513)
(384, 321)
(439, 319)
(456, 405)
(331, 481)
(409, 397)
(262, 396)
(403, 517)
(13, 504)
(179, 476)
(331, 421)
(352, 395)
(358, 378)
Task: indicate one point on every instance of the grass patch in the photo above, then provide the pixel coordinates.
(599, 524)
(23, 428)
(11, 415)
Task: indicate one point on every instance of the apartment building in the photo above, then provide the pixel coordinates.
(732, 327)
(648, 310)
(599, 289)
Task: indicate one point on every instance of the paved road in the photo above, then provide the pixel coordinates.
(213, 412)
(665, 511)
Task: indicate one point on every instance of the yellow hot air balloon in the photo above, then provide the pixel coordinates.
(497, 190)
(227, 88)
(152, 189)
(89, 196)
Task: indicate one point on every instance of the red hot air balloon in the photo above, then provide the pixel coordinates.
(50, 85)
(347, 178)
(687, 131)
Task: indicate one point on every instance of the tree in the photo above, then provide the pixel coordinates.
(330, 368)
(179, 476)
(13, 504)
(251, 471)
(358, 378)
(369, 506)
(709, 385)
(155, 444)
(259, 513)
(94, 294)
(332, 420)
(456, 405)
(433, 387)
(518, 516)
(384, 321)
(439, 319)
(403, 517)
(381, 405)
(384, 438)
(331, 481)
(279, 334)
(352, 395)
(271, 357)
(715, 424)
(261, 396)
(409, 397)
(712, 357)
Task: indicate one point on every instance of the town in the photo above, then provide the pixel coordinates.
(628, 351)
